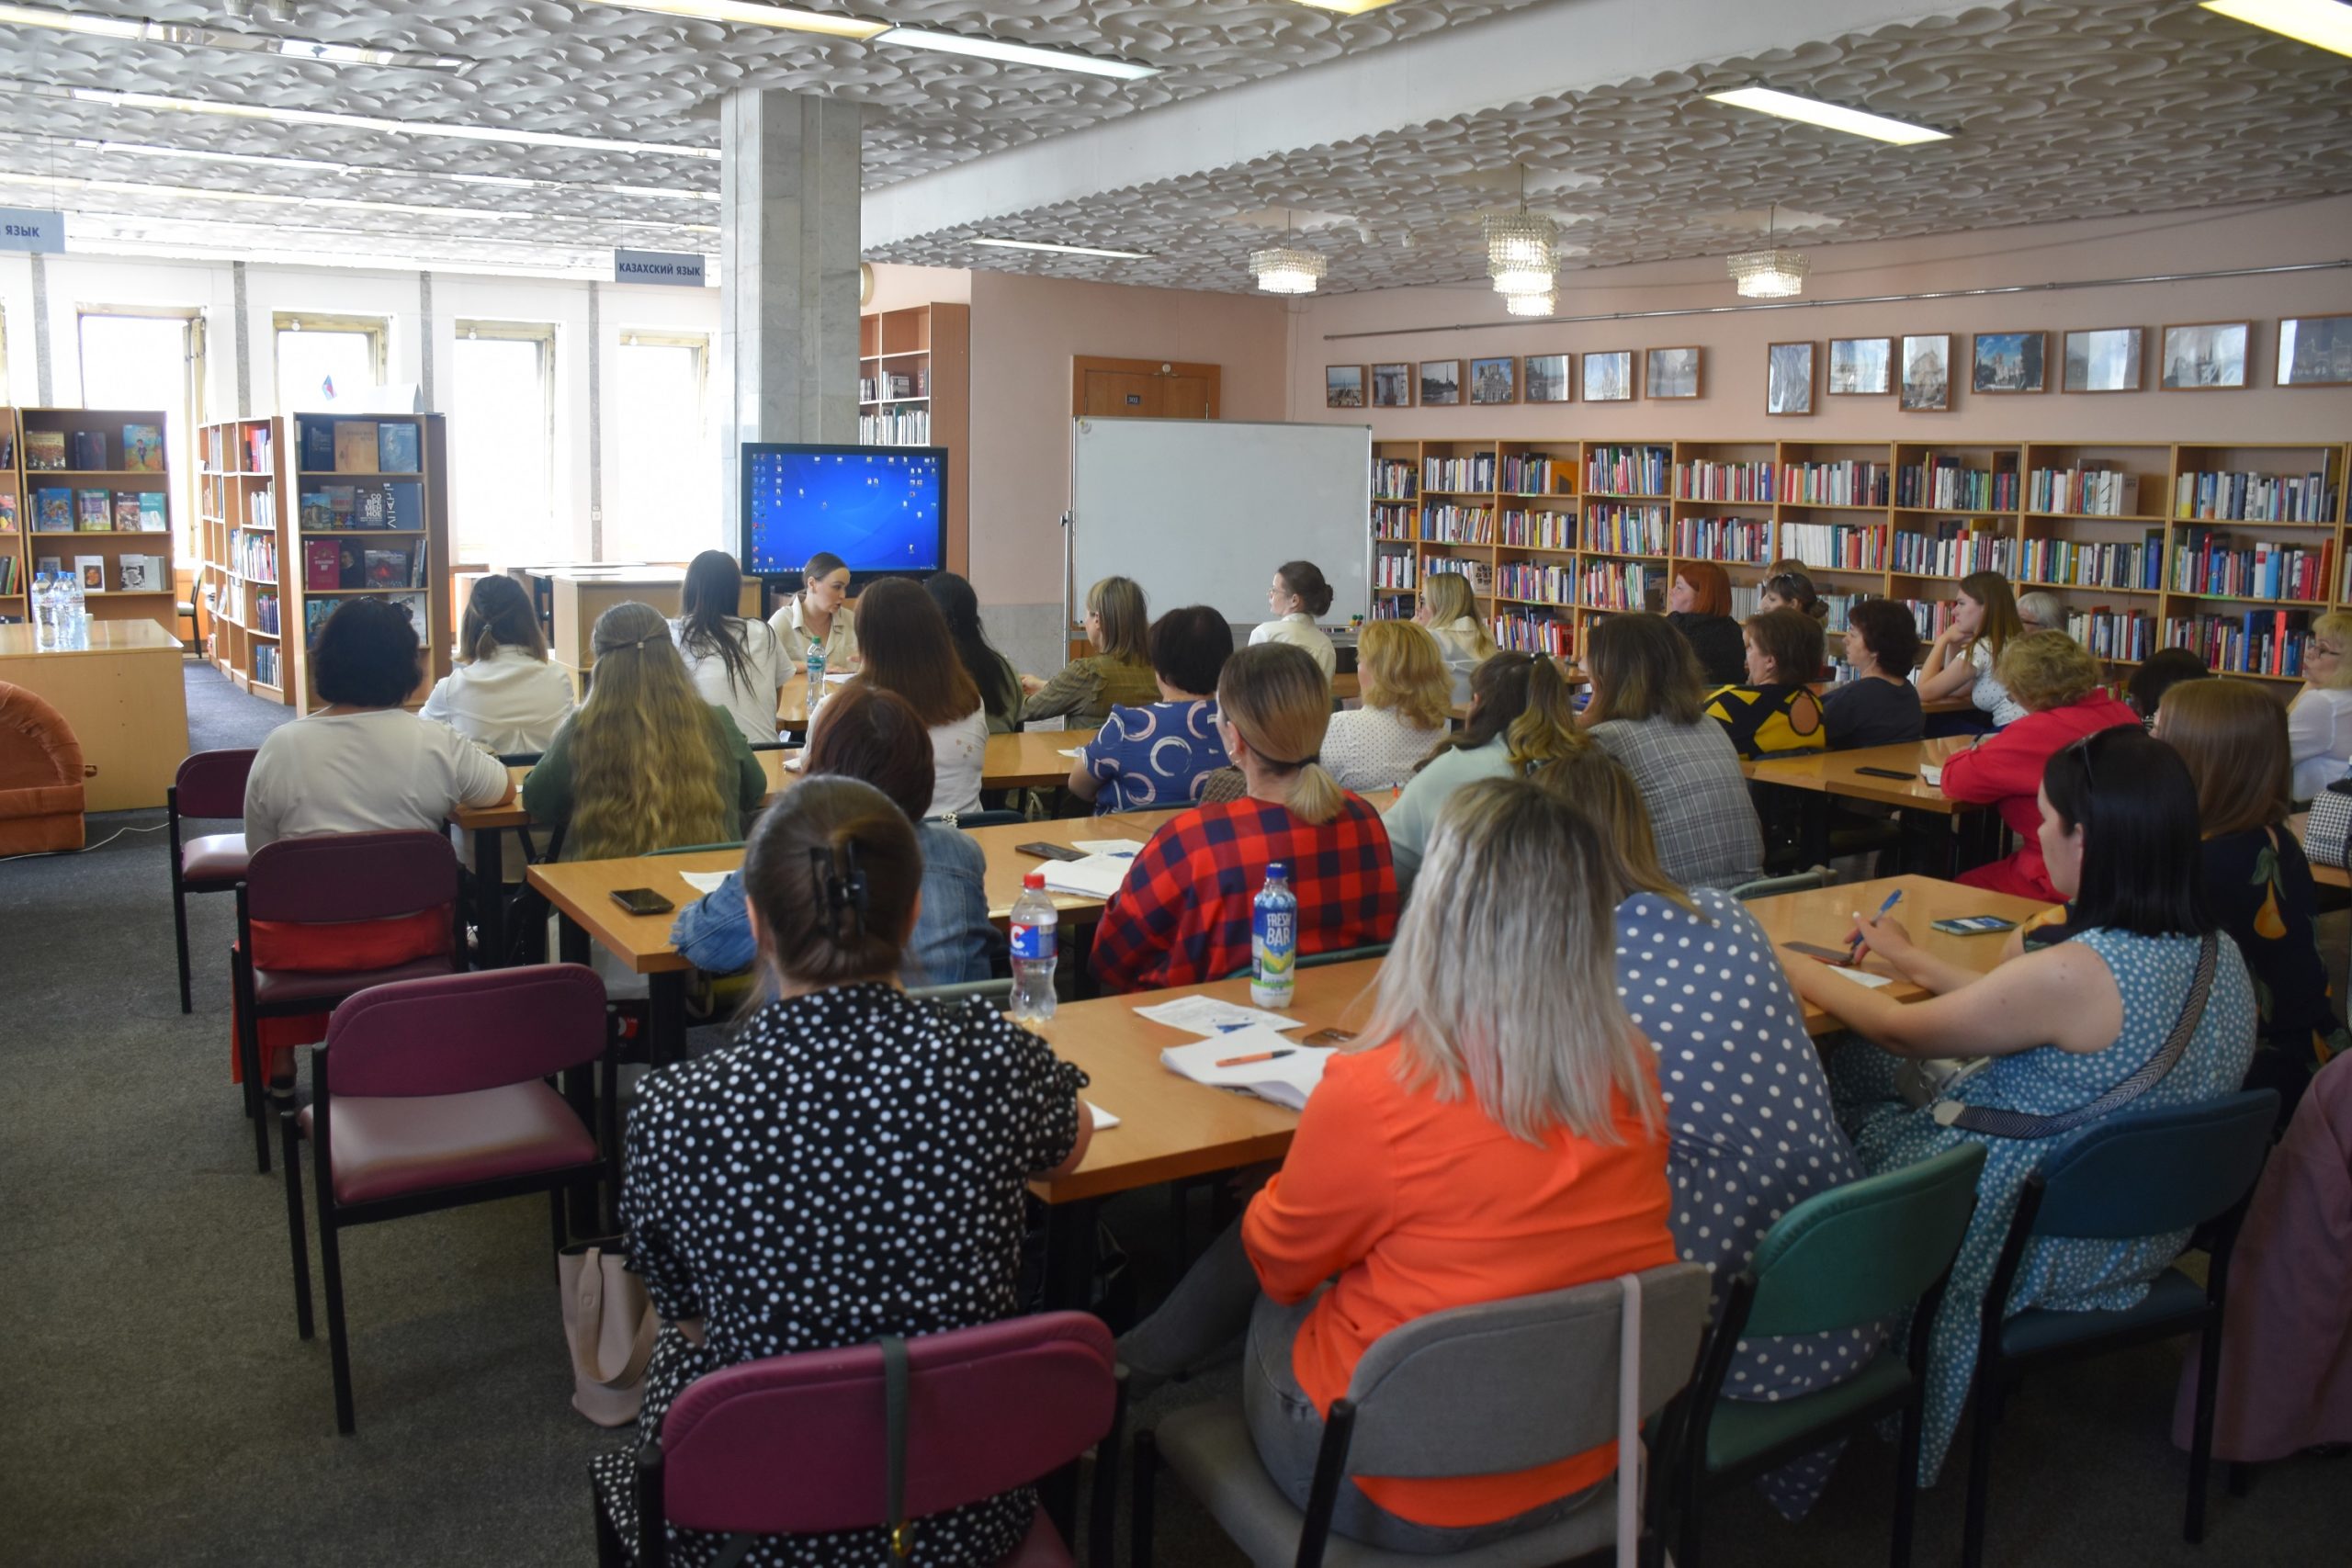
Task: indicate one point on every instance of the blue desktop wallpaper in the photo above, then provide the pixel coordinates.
(876, 508)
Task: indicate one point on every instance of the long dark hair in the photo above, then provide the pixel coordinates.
(499, 614)
(2132, 796)
(709, 625)
(1497, 696)
(1000, 688)
(904, 641)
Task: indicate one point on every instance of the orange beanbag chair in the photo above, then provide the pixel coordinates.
(41, 776)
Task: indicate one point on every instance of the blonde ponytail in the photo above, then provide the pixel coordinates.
(1545, 728)
(1279, 699)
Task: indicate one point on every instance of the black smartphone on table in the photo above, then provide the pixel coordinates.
(642, 901)
(1049, 852)
(1887, 774)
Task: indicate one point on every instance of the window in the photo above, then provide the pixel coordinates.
(501, 439)
(137, 358)
(664, 503)
(324, 362)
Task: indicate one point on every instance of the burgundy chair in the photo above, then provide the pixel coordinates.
(805, 1443)
(333, 879)
(210, 784)
(429, 1095)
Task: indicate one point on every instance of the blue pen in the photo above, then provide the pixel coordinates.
(1883, 910)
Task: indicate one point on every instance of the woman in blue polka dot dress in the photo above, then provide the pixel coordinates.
(2060, 1026)
(1749, 1110)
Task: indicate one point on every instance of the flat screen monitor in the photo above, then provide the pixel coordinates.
(881, 509)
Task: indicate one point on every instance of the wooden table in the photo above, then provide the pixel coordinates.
(1824, 916)
(1968, 836)
(578, 594)
(125, 698)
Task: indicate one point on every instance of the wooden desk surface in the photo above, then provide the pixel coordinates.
(1839, 773)
(1824, 915)
(141, 636)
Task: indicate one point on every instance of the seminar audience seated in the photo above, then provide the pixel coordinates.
(1522, 713)
(1407, 696)
(502, 693)
(1160, 754)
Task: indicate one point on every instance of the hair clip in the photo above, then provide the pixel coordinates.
(839, 887)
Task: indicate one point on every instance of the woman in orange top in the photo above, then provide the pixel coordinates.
(1500, 1135)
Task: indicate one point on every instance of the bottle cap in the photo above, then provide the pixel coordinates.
(1034, 879)
(1277, 868)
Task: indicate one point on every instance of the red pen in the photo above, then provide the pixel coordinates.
(1259, 1056)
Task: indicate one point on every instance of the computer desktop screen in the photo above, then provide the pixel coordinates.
(881, 509)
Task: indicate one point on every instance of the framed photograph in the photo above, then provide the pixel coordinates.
(2008, 362)
(1674, 372)
(1392, 386)
(2102, 359)
(1547, 378)
(1608, 378)
(1494, 380)
(1788, 378)
(1927, 373)
(1440, 383)
(1343, 386)
(2313, 351)
(1860, 367)
(2205, 356)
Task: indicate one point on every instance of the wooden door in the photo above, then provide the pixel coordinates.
(1142, 388)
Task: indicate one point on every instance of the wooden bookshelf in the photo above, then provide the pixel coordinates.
(352, 507)
(914, 370)
(95, 439)
(2192, 544)
(15, 574)
(246, 542)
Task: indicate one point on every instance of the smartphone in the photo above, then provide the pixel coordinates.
(1328, 1037)
(1841, 957)
(1049, 852)
(1887, 774)
(1973, 925)
(642, 901)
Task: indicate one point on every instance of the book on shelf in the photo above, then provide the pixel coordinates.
(1394, 569)
(1534, 631)
(259, 444)
(8, 569)
(266, 666)
(413, 605)
(7, 452)
(142, 448)
(386, 569)
(92, 571)
(1454, 524)
(2255, 642)
(1476, 473)
(1726, 481)
(2113, 634)
(1481, 575)
(265, 616)
(7, 511)
(126, 512)
(1393, 479)
(322, 564)
(1948, 483)
(1548, 528)
(1746, 541)
(2090, 563)
(45, 449)
(350, 565)
(1526, 474)
(89, 450)
(1616, 527)
(315, 615)
(318, 445)
(142, 574)
(2096, 489)
(355, 446)
(2254, 498)
(92, 511)
(53, 511)
(2206, 562)
(1848, 483)
(398, 450)
(368, 507)
(1629, 470)
(313, 510)
(50, 564)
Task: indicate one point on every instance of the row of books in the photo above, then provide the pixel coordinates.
(361, 447)
(2114, 634)
(141, 450)
(1394, 568)
(256, 558)
(60, 511)
(1953, 549)
(1851, 547)
(331, 564)
(1546, 584)
(335, 509)
(1523, 475)
(1628, 471)
(2080, 563)
(1745, 540)
(261, 510)
(261, 612)
(895, 427)
(1474, 473)
(2093, 490)
(1458, 525)
(1393, 609)
(9, 570)
(316, 611)
(896, 384)
(2254, 498)
(1619, 585)
(133, 574)
(1834, 484)
(251, 454)
(2207, 562)
(1614, 527)
(1745, 601)
(1393, 479)
(1724, 481)
(265, 660)
(1394, 521)
(1947, 481)
(1539, 529)
(1533, 631)
(1481, 575)
(2258, 642)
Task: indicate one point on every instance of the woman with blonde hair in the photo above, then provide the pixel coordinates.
(1648, 711)
(1494, 1132)
(1116, 674)
(1450, 610)
(1522, 714)
(2318, 722)
(503, 694)
(1965, 653)
(1408, 694)
(645, 764)
(1183, 915)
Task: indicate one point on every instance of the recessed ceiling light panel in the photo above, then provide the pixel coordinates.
(372, 122)
(2323, 24)
(1829, 116)
(1016, 54)
(747, 13)
(1064, 250)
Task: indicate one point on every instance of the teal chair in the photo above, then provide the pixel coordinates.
(1857, 1254)
(996, 990)
(1794, 882)
(2138, 1174)
(1343, 955)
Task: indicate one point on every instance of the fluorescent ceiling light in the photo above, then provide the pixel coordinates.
(348, 204)
(2323, 24)
(374, 171)
(390, 126)
(1830, 116)
(1348, 7)
(1064, 250)
(71, 22)
(194, 36)
(1017, 53)
(749, 14)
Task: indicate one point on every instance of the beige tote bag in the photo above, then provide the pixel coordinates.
(610, 1323)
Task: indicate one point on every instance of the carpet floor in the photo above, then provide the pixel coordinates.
(164, 1413)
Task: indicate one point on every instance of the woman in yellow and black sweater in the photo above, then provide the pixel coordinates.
(1775, 712)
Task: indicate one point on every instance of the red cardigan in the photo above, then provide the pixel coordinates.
(2005, 772)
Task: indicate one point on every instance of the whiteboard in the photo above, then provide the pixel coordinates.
(1201, 510)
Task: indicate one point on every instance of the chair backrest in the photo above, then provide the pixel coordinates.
(697, 849)
(797, 1443)
(955, 993)
(38, 748)
(2146, 1172)
(1795, 882)
(1861, 1252)
(1343, 955)
(1513, 1384)
(458, 1034)
(351, 876)
(212, 784)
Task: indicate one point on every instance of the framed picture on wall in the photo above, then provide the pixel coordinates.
(2205, 356)
(1392, 386)
(2008, 362)
(1860, 367)
(2314, 351)
(1788, 378)
(2102, 359)
(1547, 378)
(1494, 380)
(1608, 378)
(1440, 383)
(1343, 386)
(1927, 373)
(1674, 372)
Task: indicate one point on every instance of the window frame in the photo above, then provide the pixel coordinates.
(377, 330)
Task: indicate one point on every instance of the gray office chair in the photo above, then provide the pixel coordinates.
(1795, 882)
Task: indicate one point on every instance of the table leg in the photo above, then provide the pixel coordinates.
(490, 896)
(1070, 1256)
(666, 1002)
(572, 941)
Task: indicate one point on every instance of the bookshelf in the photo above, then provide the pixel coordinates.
(15, 592)
(370, 517)
(914, 373)
(2229, 549)
(95, 489)
(246, 545)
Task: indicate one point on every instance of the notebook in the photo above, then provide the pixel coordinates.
(1096, 877)
(1283, 1079)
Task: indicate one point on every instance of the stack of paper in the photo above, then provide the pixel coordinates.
(1284, 1073)
(1108, 846)
(1096, 877)
(703, 881)
(1197, 1014)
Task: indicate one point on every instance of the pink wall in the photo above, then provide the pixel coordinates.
(1025, 331)
(896, 287)
(1731, 406)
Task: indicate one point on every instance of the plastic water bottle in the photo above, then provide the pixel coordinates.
(1034, 921)
(1274, 939)
(44, 611)
(72, 613)
(816, 676)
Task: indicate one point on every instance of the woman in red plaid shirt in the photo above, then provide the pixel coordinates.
(1183, 916)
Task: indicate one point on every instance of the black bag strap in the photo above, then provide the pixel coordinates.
(901, 1539)
(2021, 1124)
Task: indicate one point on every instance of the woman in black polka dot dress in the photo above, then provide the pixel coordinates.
(852, 1165)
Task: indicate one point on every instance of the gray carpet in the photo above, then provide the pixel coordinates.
(163, 1412)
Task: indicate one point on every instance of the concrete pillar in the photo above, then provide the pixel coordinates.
(788, 254)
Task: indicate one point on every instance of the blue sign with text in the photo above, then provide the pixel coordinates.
(26, 229)
(682, 270)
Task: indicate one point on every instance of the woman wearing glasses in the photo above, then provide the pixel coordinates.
(2319, 724)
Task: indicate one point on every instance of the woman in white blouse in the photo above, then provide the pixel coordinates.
(1984, 621)
(503, 695)
(819, 613)
(1298, 597)
(1450, 610)
(737, 665)
(2318, 723)
(1407, 693)
(913, 655)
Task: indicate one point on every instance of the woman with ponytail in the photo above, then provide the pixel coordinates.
(1183, 916)
(645, 764)
(503, 695)
(736, 664)
(771, 1202)
(1521, 715)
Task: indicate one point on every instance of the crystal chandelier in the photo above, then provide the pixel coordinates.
(1542, 304)
(1523, 247)
(1287, 269)
(1774, 272)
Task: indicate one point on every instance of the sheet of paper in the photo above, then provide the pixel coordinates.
(1096, 877)
(1286, 1074)
(1108, 846)
(704, 881)
(836, 677)
(1073, 752)
(1861, 976)
(1931, 773)
(1103, 1119)
(1208, 1016)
